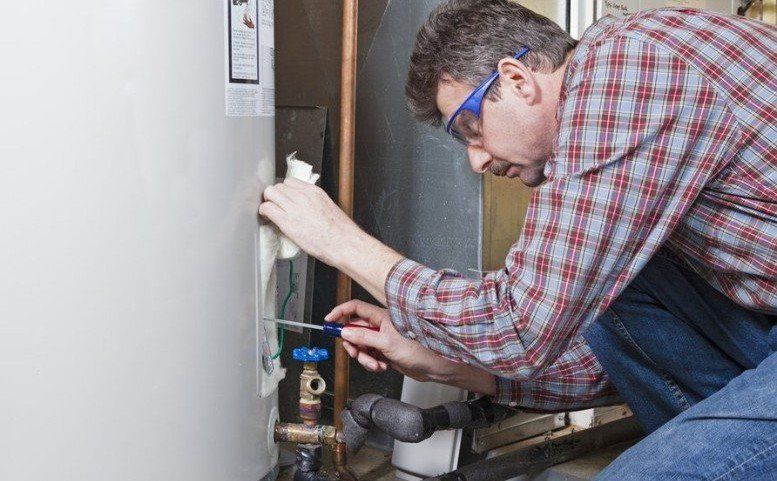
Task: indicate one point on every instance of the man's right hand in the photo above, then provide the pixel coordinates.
(378, 350)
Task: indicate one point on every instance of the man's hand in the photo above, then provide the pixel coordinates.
(310, 218)
(307, 216)
(377, 351)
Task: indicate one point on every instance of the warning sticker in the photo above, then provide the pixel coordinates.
(249, 51)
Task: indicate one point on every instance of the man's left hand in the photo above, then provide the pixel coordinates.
(307, 216)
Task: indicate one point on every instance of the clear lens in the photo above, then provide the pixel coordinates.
(465, 126)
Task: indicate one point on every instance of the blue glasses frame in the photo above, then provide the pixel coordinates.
(474, 101)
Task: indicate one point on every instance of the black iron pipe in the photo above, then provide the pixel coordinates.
(411, 424)
(308, 463)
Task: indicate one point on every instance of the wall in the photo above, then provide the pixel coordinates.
(413, 188)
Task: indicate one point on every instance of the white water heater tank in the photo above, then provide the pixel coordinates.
(134, 136)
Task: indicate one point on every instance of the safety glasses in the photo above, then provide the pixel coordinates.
(462, 125)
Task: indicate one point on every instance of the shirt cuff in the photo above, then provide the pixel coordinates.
(508, 392)
(404, 284)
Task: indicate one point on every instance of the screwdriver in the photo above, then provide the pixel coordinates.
(331, 329)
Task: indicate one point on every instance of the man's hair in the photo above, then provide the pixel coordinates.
(465, 39)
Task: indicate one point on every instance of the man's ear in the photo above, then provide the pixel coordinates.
(519, 79)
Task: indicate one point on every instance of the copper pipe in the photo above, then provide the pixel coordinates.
(345, 180)
(302, 434)
(315, 435)
(340, 463)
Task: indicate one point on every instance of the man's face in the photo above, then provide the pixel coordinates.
(513, 136)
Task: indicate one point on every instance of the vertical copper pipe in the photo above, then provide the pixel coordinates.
(345, 180)
(344, 473)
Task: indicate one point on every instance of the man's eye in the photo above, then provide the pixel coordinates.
(471, 131)
(469, 128)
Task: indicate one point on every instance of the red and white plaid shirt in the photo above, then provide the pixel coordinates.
(667, 139)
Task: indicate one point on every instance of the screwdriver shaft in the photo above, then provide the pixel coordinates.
(331, 329)
(295, 323)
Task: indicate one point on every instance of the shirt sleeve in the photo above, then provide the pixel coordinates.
(640, 134)
(575, 381)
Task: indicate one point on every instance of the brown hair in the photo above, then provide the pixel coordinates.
(465, 39)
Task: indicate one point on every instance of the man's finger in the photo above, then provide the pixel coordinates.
(301, 188)
(377, 355)
(295, 183)
(356, 307)
(279, 194)
(358, 322)
(369, 362)
(365, 337)
(306, 188)
(273, 212)
(344, 309)
(350, 349)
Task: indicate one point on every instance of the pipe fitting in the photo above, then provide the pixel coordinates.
(311, 386)
(302, 433)
(411, 424)
(308, 464)
(309, 435)
(339, 459)
(315, 386)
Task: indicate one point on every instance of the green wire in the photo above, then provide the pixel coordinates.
(281, 331)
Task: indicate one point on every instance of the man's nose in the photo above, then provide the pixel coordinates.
(479, 159)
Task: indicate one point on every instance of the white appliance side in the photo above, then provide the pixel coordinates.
(440, 453)
(127, 298)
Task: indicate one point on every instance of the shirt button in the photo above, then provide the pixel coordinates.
(512, 404)
(410, 334)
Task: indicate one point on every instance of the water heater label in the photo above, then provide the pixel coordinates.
(249, 48)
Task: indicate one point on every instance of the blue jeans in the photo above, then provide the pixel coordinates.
(700, 374)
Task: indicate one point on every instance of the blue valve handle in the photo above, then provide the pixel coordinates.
(310, 354)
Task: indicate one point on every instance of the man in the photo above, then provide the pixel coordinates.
(649, 248)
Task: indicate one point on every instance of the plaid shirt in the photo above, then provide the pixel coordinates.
(667, 138)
